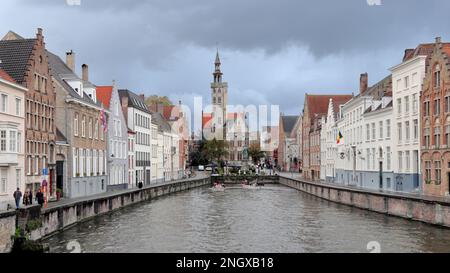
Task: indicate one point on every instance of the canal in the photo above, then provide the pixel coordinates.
(271, 219)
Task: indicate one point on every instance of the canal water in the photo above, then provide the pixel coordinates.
(271, 219)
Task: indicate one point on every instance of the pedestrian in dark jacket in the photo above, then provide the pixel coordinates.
(30, 198)
(17, 195)
(40, 197)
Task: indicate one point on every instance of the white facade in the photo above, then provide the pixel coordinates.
(329, 144)
(140, 122)
(407, 79)
(351, 126)
(323, 149)
(365, 155)
(131, 160)
(12, 135)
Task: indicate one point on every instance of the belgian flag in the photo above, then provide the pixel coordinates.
(339, 137)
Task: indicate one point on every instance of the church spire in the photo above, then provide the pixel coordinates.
(217, 73)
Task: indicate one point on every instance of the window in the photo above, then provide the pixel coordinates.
(388, 158)
(407, 160)
(4, 103)
(12, 141)
(447, 135)
(437, 76)
(18, 106)
(373, 131)
(416, 129)
(406, 105)
(437, 106)
(75, 125)
(400, 161)
(75, 163)
(3, 141)
(447, 104)
(406, 82)
(96, 130)
(388, 128)
(427, 137)
(19, 142)
(437, 171)
(381, 129)
(399, 127)
(90, 128)
(3, 180)
(437, 136)
(83, 127)
(415, 103)
(407, 131)
(414, 79)
(373, 158)
(427, 170)
(399, 106)
(426, 106)
(36, 165)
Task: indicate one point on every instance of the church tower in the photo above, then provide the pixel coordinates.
(219, 96)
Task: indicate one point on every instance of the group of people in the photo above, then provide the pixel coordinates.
(28, 197)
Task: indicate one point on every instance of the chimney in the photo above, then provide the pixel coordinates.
(438, 40)
(70, 60)
(39, 36)
(85, 72)
(363, 83)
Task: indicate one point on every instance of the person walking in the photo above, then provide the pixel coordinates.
(40, 197)
(17, 195)
(30, 197)
(25, 198)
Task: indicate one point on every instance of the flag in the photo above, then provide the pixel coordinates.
(339, 137)
(103, 120)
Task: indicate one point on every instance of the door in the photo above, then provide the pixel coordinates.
(60, 176)
(147, 177)
(381, 175)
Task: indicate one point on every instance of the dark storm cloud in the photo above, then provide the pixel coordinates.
(277, 49)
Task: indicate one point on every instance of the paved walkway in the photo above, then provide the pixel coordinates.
(68, 201)
(414, 195)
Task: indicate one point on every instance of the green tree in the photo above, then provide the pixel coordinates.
(214, 150)
(155, 99)
(254, 151)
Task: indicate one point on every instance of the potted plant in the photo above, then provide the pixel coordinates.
(58, 194)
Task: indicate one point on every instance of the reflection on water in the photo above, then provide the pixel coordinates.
(271, 219)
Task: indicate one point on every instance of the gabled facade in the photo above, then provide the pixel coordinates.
(82, 170)
(435, 122)
(139, 120)
(25, 60)
(12, 131)
(315, 107)
(108, 96)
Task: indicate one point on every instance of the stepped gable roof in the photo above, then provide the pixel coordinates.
(15, 56)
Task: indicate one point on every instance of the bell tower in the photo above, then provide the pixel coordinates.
(219, 98)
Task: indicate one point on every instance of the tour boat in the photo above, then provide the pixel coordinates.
(250, 187)
(218, 187)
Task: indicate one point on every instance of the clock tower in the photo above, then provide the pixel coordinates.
(219, 96)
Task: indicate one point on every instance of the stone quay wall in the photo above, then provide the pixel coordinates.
(7, 230)
(62, 216)
(425, 209)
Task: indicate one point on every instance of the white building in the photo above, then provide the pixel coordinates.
(407, 79)
(131, 159)
(323, 149)
(12, 135)
(329, 145)
(139, 120)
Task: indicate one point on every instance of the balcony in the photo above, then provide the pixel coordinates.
(8, 159)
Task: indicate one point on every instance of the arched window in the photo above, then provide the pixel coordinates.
(437, 76)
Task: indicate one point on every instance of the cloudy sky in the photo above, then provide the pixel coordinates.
(272, 51)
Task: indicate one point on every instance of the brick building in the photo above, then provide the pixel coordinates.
(315, 107)
(435, 130)
(25, 60)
